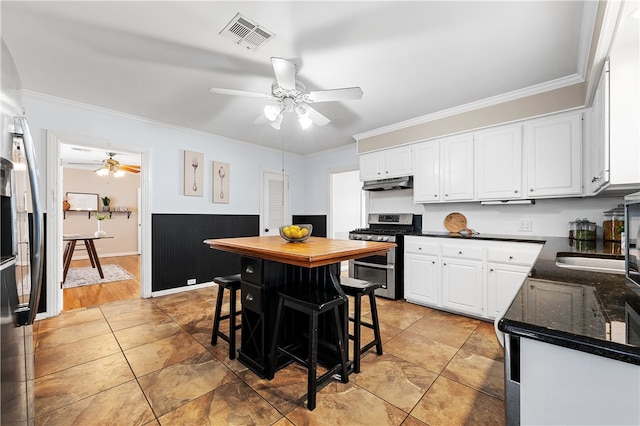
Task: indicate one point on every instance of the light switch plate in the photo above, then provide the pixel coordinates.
(525, 225)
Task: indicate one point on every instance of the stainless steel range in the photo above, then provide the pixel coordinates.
(386, 270)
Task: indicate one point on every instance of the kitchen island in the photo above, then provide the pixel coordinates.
(270, 265)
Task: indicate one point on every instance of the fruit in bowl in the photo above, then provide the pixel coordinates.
(296, 233)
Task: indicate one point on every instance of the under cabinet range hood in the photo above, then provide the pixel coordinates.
(404, 182)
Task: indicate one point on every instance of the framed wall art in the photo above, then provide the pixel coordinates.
(193, 173)
(221, 178)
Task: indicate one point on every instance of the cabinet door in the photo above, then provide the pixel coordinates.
(503, 283)
(598, 175)
(457, 167)
(462, 285)
(421, 281)
(426, 178)
(398, 162)
(554, 156)
(371, 166)
(498, 160)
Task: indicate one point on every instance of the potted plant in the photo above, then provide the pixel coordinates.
(105, 203)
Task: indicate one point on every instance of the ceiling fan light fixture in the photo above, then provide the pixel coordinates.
(277, 123)
(102, 171)
(272, 112)
(305, 122)
(118, 173)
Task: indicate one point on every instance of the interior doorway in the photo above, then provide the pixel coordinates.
(346, 205)
(139, 264)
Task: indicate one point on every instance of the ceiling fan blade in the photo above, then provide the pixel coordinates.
(232, 92)
(317, 118)
(129, 168)
(346, 94)
(285, 72)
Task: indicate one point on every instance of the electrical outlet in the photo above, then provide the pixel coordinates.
(525, 225)
(191, 281)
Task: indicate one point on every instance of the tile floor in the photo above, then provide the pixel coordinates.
(150, 362)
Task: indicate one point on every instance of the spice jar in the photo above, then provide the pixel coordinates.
(585, 230)
(613, 223)
(572, 229)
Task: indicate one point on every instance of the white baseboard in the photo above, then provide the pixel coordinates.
(181, 289)
(105, 255)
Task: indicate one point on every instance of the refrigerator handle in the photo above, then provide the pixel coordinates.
(37, 264)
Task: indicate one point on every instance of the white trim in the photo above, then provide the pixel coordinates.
(54, 207)
(182, 289)
(472, 106)
(586, 37)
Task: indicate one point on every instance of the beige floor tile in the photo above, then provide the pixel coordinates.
(412, 421)
(66, 319)
(398, 316)
(347, 404)
(146, 333)
(192, 306)
(396, 381)
(120, 405)
(479, 372)
(286, 391)
(451, 403)
(427, 353)
(484, 342)
(234, 403)
(58, 389)
(162, 353)
(148, 314)
(119, 308)
(444, 327)
(72, 333)
(171, 387)
(61, 357)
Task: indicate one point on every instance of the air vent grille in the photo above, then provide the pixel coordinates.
(246, 33)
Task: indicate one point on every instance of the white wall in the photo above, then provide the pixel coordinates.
(166, 144)
(550, 217)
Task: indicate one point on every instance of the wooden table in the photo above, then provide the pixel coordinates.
(91, 251)
(270, 265)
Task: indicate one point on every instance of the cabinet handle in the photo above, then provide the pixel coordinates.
(435, 195)
(491, 270)
(433, 261)
(531, 190)
(516, 191)
(249, 269)
(510, 257)
(444, 264)
(446, 195)
(419, 248)
(460, 252)
(249, 297)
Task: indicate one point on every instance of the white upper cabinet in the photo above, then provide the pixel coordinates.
(443, 170)
(553, 156)
(426, 178)
(598, 139)
(498, 160)
(388, 163)
(457, 167)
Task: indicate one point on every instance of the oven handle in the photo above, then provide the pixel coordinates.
(373, 265)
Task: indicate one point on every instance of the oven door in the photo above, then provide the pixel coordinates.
(377, 273)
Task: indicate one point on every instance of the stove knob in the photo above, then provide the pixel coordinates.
(355, 236)
(366, 237)
(383, 238)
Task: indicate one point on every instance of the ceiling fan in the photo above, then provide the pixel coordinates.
(291, 95)
(110, 165)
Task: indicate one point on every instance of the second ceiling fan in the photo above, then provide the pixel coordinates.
(291, 95)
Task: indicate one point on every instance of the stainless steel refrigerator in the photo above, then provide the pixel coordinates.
(21, 250)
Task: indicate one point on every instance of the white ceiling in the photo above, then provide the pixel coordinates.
(157, 59)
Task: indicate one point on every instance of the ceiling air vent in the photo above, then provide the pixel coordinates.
(246, 33)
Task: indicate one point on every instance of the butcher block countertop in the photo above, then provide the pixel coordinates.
(314, 252)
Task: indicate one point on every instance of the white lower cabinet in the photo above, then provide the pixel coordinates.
(472, 277)
(462, 285)
(503, 283)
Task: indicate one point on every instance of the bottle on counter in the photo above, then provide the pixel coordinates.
(585, 230)
(613, 224)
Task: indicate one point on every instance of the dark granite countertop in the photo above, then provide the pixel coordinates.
(586, 311)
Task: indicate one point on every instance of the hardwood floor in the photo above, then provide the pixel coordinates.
(99, 294)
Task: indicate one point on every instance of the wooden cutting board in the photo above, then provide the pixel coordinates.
(456, 222)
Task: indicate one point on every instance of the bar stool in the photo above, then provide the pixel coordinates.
(357, 289)
(231, 283)
(312, 304)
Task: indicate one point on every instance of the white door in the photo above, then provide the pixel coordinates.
(275, 203)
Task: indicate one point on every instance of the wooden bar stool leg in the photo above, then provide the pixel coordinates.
(356, 332)
(313, 361)
(376, 323)
(216, 317)
(232, 324)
